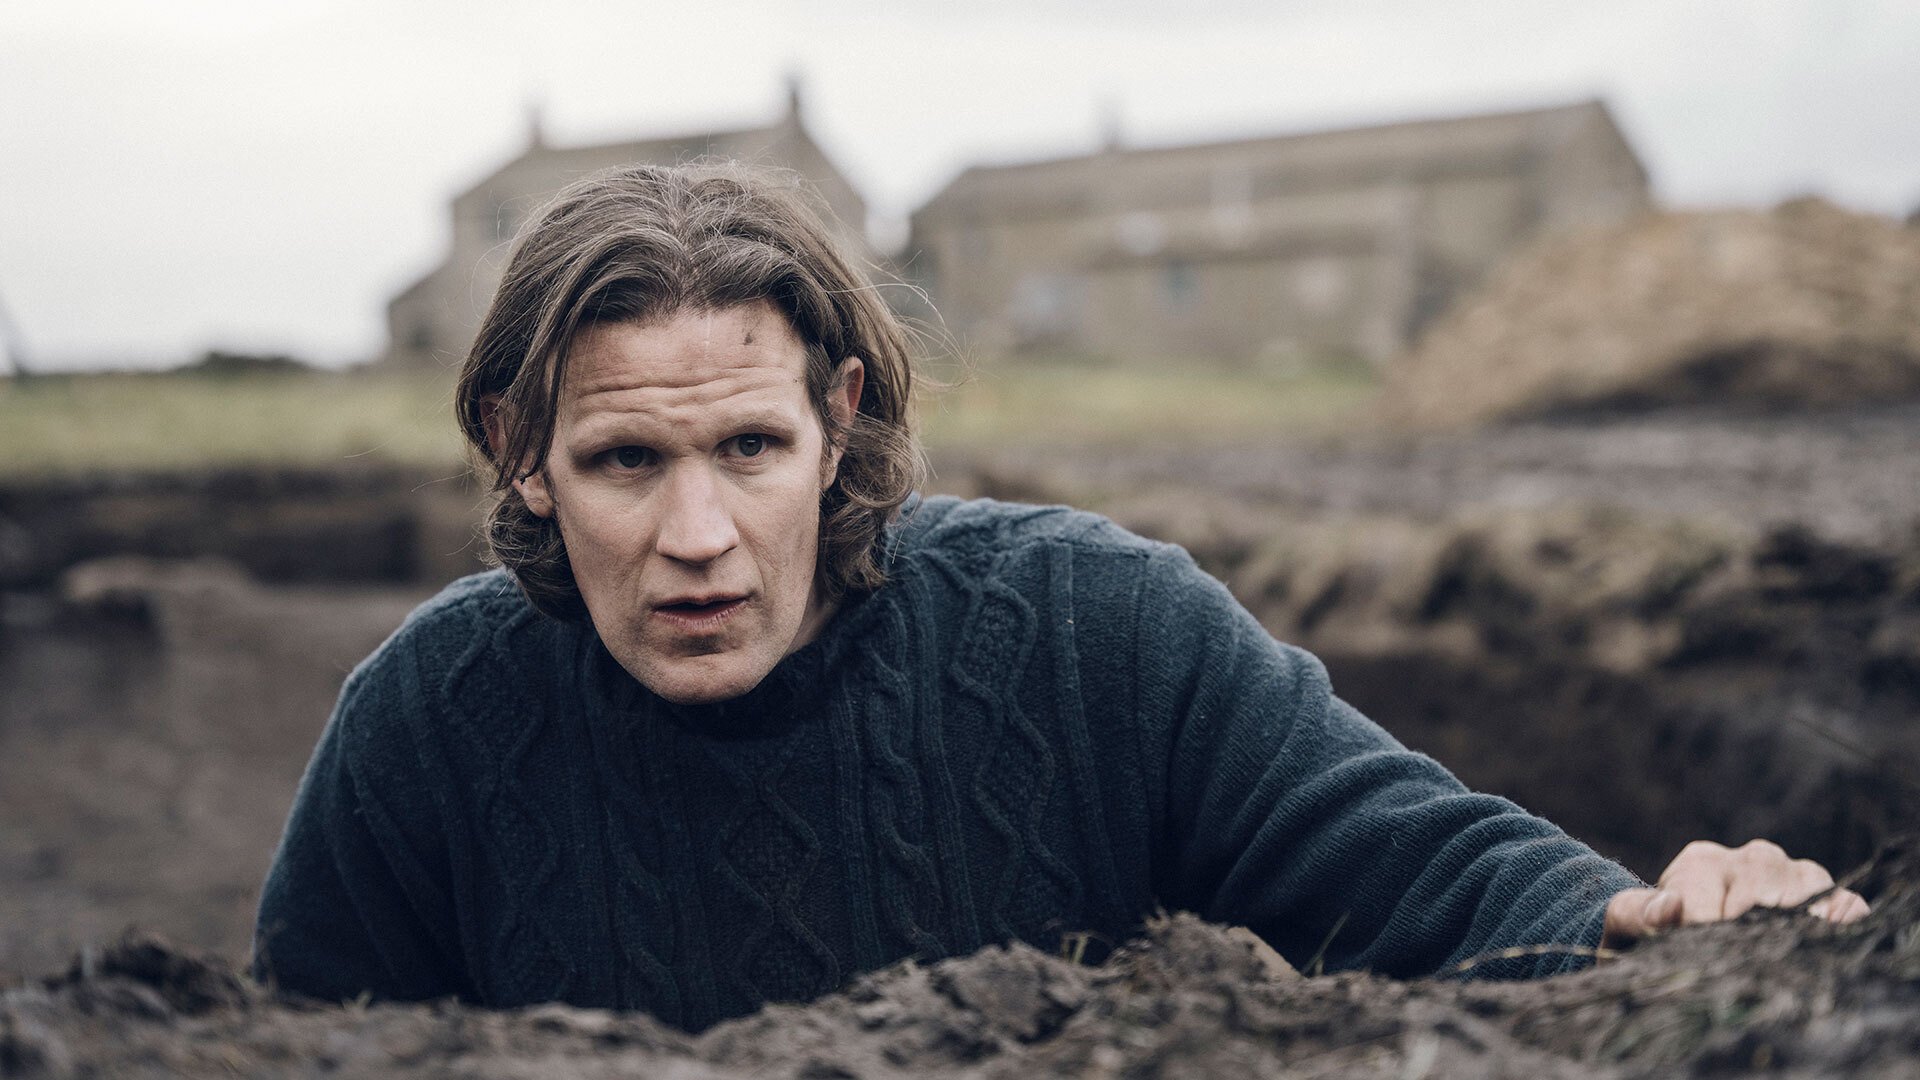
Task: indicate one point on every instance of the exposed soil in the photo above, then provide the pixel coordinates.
(1651, 630)
(149, 749)
(1776, 993)
(341, 526)
(1848, 474)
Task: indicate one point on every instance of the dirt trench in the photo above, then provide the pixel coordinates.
(1651, 633)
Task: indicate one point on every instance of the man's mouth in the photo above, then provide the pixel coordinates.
(700, 613)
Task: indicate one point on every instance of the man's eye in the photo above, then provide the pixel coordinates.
(750, 445)
(631, 457)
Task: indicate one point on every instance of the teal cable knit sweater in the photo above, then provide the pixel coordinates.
(1043, 724)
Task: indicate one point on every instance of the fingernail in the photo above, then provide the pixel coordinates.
(1663, 907)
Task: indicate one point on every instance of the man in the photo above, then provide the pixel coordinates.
(741, 717)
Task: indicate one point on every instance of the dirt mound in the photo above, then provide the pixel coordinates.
(1775, 992)
(1808, 305)
(1700, 681)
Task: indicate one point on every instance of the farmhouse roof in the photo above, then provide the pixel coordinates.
(549, 159)
(539, 162)
(1339, 156)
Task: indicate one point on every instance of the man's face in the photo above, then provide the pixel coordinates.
(685, 474)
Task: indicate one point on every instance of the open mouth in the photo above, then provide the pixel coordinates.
(701, 613)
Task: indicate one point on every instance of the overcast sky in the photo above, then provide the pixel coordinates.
(263, 174)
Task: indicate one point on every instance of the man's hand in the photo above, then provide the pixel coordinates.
(1707, 883)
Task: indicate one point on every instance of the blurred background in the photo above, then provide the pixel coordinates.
(1553, 371)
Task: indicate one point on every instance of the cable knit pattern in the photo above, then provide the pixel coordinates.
(1041, 725)
(524, 945)
(642, 904)
(898, 808)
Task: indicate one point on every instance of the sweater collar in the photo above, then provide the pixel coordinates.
(793, 693)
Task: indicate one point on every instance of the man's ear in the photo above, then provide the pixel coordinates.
(495, 423)
(843, 401)
(533, 486)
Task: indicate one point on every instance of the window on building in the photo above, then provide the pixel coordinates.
(1047, 308)
(1179, 283)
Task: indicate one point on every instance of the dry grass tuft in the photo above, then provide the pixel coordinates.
(1807, 305)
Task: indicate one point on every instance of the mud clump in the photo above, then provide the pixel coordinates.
(1774, 993)
(173, 980)
(1805, 306)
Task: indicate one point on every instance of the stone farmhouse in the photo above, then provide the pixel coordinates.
(1334, 244)
(433, 321)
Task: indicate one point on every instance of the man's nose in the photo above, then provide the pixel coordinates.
(698, 525)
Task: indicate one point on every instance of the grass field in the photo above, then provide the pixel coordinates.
(140, 422)
(85, 423)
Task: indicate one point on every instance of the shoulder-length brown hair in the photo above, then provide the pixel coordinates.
(644, 242)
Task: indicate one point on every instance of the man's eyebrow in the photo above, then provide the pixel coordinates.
(593, 428)
(763, 419)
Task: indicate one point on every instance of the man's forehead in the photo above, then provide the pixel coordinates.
(751, 343)
(726, 367)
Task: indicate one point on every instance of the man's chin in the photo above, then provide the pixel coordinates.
(701, 680)
(702, 695)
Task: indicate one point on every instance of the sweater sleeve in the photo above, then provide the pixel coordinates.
(354, 902)
(1287, 811)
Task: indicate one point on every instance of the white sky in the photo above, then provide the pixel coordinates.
(262, 174)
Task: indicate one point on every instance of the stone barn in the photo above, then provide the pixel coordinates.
(1321, 246)
(433, 321)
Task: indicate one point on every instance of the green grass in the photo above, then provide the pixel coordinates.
(126, 422)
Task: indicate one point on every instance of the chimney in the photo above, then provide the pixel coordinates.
(536, 124)
(1110, 137)
(794, 87)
